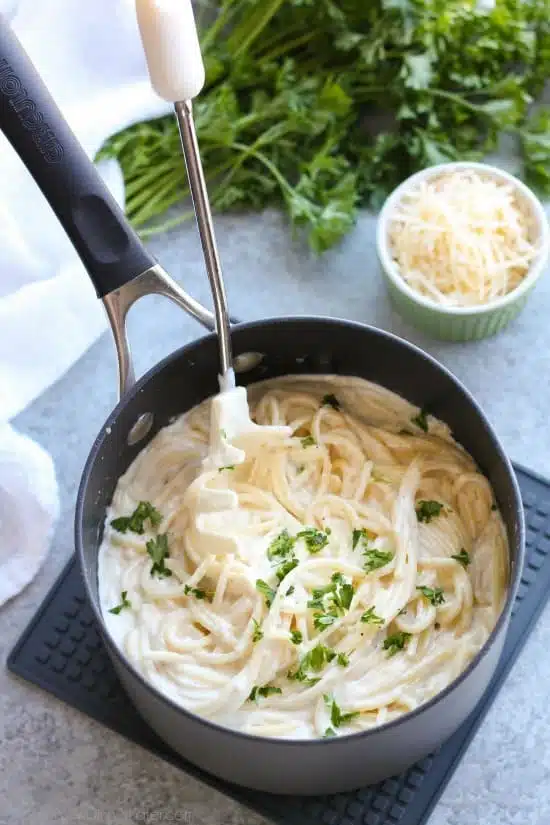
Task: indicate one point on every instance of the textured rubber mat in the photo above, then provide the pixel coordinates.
(61, 651)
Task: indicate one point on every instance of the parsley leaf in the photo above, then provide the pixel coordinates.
(227, 467)
(267, 592)
(433, 595)
(333, 600)
(290, 590)
(197, 593)
(361, 534)
(296, 637)
(370, 617)
(338, 718)
(314, 661)
(265, 691)
(158, 550)
(427, 510)
(308, 441)
(342, 659)
(330, 400)
(124, 602)
(135, 523)
(396, 642)
(258, 633)
(462, 558)
(286, 567)
(421, 420)
(315, 539)
(374, 559)
(281, 546)
(329, 733)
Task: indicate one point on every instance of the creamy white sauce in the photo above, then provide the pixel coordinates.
(226, 487)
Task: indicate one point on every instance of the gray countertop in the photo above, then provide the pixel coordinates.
(58, 766)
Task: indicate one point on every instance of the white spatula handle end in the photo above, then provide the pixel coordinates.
(172, 49)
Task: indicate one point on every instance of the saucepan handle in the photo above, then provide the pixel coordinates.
(120, 267)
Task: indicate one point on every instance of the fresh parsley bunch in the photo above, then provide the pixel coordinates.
(322, 107)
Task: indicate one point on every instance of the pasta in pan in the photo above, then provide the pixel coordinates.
(342, 571)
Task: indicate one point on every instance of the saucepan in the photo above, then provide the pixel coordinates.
(122, 270)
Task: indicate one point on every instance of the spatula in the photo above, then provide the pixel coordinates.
(176, 69)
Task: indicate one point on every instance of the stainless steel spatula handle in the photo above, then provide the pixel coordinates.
(174, 59)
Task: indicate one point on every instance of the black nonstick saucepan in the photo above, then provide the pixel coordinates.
(122, 270)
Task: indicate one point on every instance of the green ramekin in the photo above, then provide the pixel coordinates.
(461, 323)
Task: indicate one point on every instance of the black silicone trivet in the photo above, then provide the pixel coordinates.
(61, 651)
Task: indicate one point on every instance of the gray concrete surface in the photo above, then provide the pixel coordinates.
(58, 766)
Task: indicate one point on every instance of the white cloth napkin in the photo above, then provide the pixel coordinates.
(90, 57)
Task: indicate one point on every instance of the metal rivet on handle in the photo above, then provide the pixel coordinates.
(246, 361)
(140, 428)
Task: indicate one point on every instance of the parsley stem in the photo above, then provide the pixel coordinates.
(142, 180)
(286, 46)
(144, 206)
(281, 180)
(165, 226)
(240, 40)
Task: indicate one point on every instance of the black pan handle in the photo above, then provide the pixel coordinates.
(109, 248)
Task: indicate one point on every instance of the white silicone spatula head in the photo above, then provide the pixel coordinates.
(172, 49)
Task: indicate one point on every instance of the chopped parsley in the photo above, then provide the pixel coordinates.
(296, 637)
(286, 567)
(331, 601)
(135, 523)
(330, 400)
(313, 662)
(374, 559)
(227, 467)
(329, 733)
(265, 691)
(124, 602)
(427, 510)
(462, 558)
(290, 590)
(421, 420)
(197, 593)
(281, 546)
(342, 659)
(258, 633)
(396, 642)
(433, 595)
(370, 617)
(338, 718)
(315, 539)
(359, 535)
(158, 550)
(308, 441)
(267, 592)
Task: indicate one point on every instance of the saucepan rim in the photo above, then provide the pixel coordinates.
(515, 568)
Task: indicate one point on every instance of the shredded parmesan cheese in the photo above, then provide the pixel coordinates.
(462, 239)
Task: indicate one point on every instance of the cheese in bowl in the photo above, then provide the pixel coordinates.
(461, 245)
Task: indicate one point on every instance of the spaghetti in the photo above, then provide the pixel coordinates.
(342, 571)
